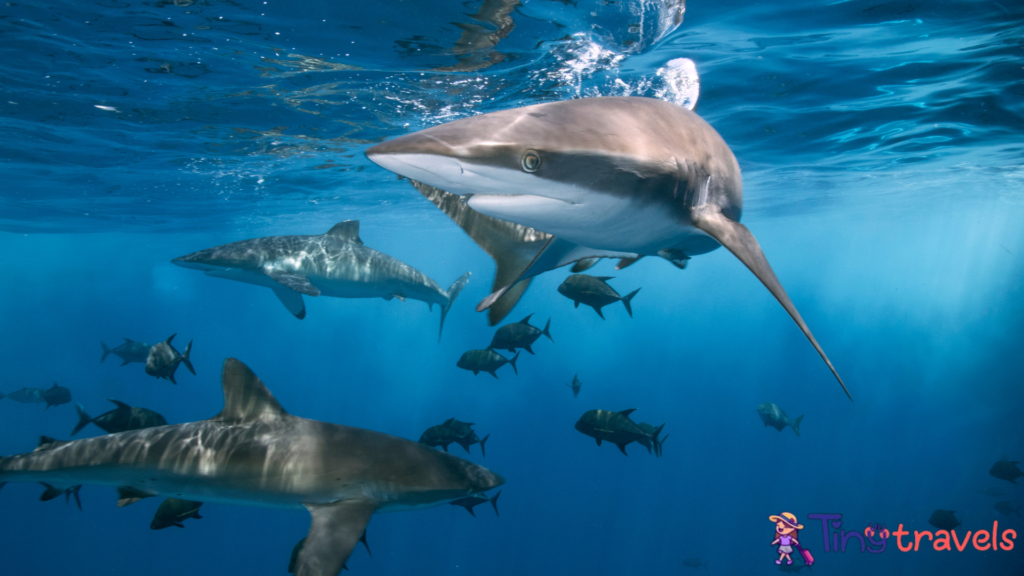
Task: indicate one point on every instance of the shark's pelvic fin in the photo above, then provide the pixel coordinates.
(453, 293)
(246, 399)
(335, 531)
(738, 240)
(584, 265)
(347, 230)
(127, 495)
(295, 282)
(292, 300)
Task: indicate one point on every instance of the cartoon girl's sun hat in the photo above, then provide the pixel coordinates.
(787, 519)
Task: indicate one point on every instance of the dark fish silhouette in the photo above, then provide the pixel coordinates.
(695, 563)
(130, 351)
(120, 419)
(453, 431)
(614, 427)
(56, 395)
(773, 416)
(576, 385)
(26, 395)
(944, 519)
(486, 360)
(519, 335)
(595, 292)
(174, 511)
(1005, 508)
(1006, 470)
(652, 441)
(469, 502)
(163, 360)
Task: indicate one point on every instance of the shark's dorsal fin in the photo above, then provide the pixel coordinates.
(47, 443)
(246, 399)
(347, 230)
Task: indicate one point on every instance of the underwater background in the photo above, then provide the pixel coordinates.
(881, 147)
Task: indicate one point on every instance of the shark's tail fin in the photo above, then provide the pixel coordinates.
(626, 299)
(185, 360)
(452, 293)
(494, 502)
(83, 419)
(106, 351)
(513, 363)
(546, 331)
(796, 424)
(482, 450)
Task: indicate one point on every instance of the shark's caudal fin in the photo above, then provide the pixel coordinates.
(334, 532)
(796, 424)
(452, 293)
(483, 451)
(626, 299)
(246, 399)
(494, 502)
(185, 360)
(83, 419)
(106, 351)
(738, 240)
(546, 332)
(512, 361)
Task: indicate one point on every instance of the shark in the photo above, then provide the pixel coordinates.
(255, 453)
(332, 264)
(605, 177)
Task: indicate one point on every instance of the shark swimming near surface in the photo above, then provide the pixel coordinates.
(610, 177)
(255, 453)
(333, 264)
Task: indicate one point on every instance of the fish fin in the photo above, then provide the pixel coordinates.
(171, 378)
(448, 422)
(169, 338)
(603, 278)
(483, 451)
(495, 375)
(528, 349)
(294, 282)
(388, 297)
(292, 300)
(598, 441)
(575, 303)
(627, 262)
(796, 425)
(106, 352)
(444, 447)
(476, 372)
(47, 443)
(494, 502)
(83, 419)
(464, 442)
(178, 524)
(584, 264)
(598, 310)
(347, 230)
(392, 296)
(527, 319)
(73, 491)
(622, 448)
(547, 330)
(738, 240)
(452, 293)
(125, 363)
(246, 399)
(365, 543)
(468, 507)
(512, 361)
(334, 532)
(626, 299)
(50, 493)
(185, 360)
(626, 413)
(127, 495)
(119, 404)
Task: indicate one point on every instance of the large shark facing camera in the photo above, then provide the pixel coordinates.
(333, 264)
(620, 177)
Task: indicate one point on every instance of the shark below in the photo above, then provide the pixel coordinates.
(333, 264)
(255, 453)
(560, 182)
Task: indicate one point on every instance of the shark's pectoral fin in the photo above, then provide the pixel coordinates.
(295, 282)
(738, 240)
(292, 300)
(335, 531)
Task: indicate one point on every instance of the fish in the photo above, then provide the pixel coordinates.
(56, 395)
(652, 441)
(608, 177)
(335, 264)
(519, 335)
(27, 395)
(992, 492)
(174, 511)
(468, 502)
(1006, 470)
(163, 360)
(255, 453)
(130, 351)
(120, 419)
(944, 519)
(465, 435)
(301, 543)
(773, 416)
(695, 563)
(438, 436)
(595, 292)
(50, 491)
(576, 385)
(1005, 508)
(614, 427)
(485, 360)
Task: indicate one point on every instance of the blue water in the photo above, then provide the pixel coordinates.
(881, 144)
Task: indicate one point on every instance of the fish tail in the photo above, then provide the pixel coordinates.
(662, 443)
(494, 502)
(626, 299)
(186, 361)
(452, 294)
(546, 331)
(513, 363)
(482, 450)
(83, 419)
(106, 351)
(796, 424)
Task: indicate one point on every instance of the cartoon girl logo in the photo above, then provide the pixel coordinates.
(786, 530)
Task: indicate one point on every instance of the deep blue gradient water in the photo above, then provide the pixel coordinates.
(882, 146)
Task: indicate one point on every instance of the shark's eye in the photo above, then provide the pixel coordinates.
(531, 161)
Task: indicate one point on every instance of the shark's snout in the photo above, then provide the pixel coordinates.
(483, 479)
